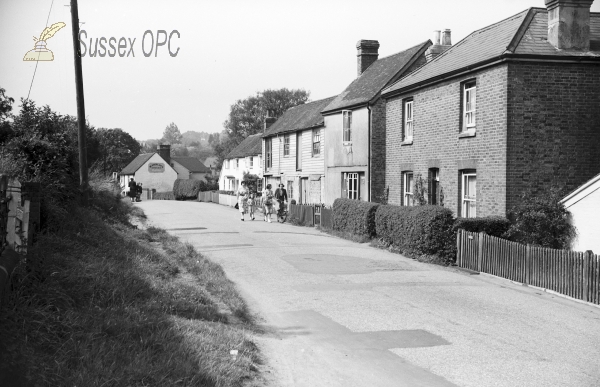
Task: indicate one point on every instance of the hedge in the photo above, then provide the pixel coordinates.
(354, 216)
(492, 225)
(185, 189)
(224, 192)
(418, 230)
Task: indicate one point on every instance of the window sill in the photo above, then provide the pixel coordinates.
(406, 142)
(468, 133)
(347, 143)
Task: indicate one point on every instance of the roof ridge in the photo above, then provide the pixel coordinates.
(503, 20)
(308, 103)
(399, 52)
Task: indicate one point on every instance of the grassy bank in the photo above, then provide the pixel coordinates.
(113, 305)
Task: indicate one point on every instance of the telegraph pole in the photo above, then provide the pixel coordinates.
(83, 171)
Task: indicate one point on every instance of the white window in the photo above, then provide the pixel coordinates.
(237, 163)
(286, 145)
(408, 120)
(316, 148)
(251, 161)
(469, 105)
(268, 149)
(469, 194)
(352, 185)
(227, 164)
(347, 115)
(408, 184)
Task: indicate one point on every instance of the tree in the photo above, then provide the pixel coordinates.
(171, 135)
(247, 116)
(117, 149)
(5, 109)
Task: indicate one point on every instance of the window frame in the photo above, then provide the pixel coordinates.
(286, 145)
(316, 145)
(408, 125)
(268, 153)
(408, 189)
(347, 130)
(237, 163)
(251, 163)
(468, 101)
(465, 200)
(354, 193)
(434, 187)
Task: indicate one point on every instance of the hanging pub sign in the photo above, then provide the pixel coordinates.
(156, 167)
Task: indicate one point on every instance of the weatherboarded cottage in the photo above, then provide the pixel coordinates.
(293, 150)
(511, 109)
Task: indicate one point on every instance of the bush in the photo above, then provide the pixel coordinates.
(354, 216)
(492, 225)
(187, 188)
(542, 220)
(164, 196)
(420, 230)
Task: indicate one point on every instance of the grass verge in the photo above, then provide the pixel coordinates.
(101, 303)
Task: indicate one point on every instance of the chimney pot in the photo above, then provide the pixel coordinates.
(569, 24)
(446, 39)
(436, 37)
(367, 53)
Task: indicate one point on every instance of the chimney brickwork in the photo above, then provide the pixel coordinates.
(569, 24)
(367, 53)
(164, 151)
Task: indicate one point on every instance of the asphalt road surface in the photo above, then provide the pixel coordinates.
(338, 313)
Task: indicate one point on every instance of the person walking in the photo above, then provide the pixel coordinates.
(251, 203)
(242, 198)
(132, 189)
(281, 197)
(268, 203)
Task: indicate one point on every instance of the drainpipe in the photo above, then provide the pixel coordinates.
(369, 158)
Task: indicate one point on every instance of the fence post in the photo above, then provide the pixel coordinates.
(480, 237)
(527, 263)
(458, 247)
(586, 274)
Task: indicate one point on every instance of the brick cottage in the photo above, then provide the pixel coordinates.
(513, 108)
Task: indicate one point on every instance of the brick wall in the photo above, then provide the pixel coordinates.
(378, 149)
(436, 142)
(553, 126)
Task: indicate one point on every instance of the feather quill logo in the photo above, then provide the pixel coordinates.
(40, 52)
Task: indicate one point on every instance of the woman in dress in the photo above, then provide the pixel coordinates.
(242, 199)
(268, 203)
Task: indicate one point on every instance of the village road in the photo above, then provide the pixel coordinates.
(338, 313)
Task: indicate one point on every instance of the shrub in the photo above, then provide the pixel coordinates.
(187, 188)
(420, 230)
(542, 220)
(164, 196)
(354, 216)
(492, 225)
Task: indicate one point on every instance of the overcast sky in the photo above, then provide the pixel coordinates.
(228, 50)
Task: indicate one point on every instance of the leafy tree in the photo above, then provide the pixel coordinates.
(5, 109)
(542, 220)
(117, 149)
(247, 116)
(171, 135)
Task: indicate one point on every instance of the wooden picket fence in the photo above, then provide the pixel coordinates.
(575, 274)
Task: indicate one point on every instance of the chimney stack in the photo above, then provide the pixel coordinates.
(367, 53)
(164, 151)
(268, 121)
(569, 24)
(439, 45)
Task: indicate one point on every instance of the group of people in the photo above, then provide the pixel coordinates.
(247, 200)
(135, 190)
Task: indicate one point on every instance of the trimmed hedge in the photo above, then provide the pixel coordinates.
(418, 230)
(186, 189)
(354, 216)
(163, 196)
(492, 225)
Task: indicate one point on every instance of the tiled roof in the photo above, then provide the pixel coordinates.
(192, 164)
(252, 145)
(523, 33)
(300, 117)
(375, 78)
(136, 164)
